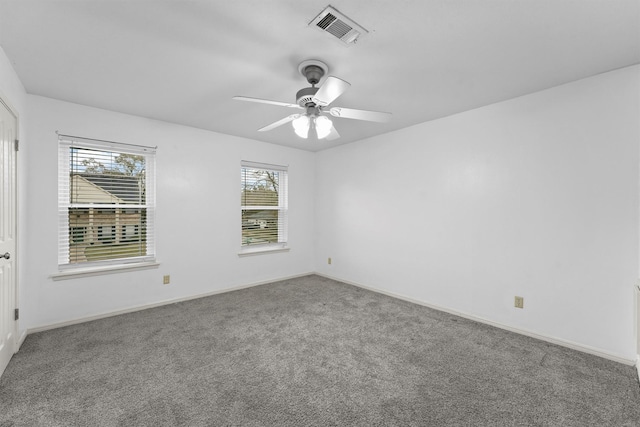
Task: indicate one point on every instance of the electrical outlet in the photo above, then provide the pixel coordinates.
(519, 302)
(166, 279)
(329, 260)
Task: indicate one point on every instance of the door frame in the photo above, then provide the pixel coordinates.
(4, 101)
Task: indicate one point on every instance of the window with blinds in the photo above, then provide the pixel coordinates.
(264, 202)
(106, 203)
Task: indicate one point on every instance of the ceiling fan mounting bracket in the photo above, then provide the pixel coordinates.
(313, 70)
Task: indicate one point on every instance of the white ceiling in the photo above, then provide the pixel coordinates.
(182, 61)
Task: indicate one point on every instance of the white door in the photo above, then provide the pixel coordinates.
(8, 199)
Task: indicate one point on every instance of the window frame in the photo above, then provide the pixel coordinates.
(282, 208)
(66, 144)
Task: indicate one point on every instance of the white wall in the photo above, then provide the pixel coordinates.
(10, 85)
(198, 215)
(535, 197)
(13, 92)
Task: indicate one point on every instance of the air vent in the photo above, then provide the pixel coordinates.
(339, 26)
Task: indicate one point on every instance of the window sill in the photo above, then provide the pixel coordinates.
(261, 251)
(99, 271)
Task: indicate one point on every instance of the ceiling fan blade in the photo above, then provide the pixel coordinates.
(333, 134)
(331, 89)
(350, 113)
(266, 101)
(279, 123)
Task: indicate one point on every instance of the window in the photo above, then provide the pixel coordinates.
(263, 193)
(106, 203)
(107, 234)
(130, 233)
(77, 234)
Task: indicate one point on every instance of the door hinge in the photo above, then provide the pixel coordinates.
(17, 314)
(17, 144)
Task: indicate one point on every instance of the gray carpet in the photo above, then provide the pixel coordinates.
(307, 352)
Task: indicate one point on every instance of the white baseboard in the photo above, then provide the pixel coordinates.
(21, 338)
(553, 340)
(104, 315)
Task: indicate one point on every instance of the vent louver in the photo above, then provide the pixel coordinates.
(333, 22)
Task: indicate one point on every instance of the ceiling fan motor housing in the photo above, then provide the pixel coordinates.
(304, 97)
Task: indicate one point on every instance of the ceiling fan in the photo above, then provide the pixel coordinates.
(316, 101)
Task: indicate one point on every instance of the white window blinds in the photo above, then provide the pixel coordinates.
(106, 202)
(264, 205)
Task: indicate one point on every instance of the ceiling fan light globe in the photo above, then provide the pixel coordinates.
(301, 126)
(323, 126)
